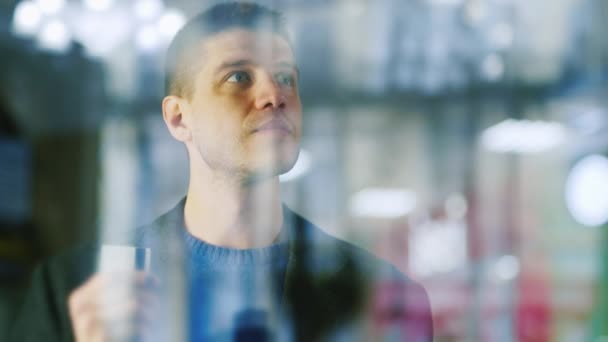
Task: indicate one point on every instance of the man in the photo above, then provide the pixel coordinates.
(230, 262)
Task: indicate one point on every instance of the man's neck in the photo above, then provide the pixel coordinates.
(232, 214)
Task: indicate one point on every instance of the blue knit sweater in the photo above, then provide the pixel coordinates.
(235, 294)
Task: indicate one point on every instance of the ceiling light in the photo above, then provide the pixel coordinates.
(475, 11)
(170, 22)
(51, 6)
(501, 35)
(586, 191)
(147, 38)
(437, 247)
(101, 44)
(523, 136)
(456, 206)
(147, 9)
(493, 67)
(506, 268)
(55, 36)
(98, 5)
(27, 18)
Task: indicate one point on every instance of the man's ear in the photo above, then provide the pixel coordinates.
(173, 107)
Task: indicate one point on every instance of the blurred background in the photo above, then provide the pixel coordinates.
(466, 141)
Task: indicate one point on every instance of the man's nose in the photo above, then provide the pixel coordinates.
(268, 93)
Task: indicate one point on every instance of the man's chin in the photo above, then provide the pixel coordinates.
(270, 169)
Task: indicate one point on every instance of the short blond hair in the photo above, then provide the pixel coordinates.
(184, 50)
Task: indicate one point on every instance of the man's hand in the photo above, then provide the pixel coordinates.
(113, 306)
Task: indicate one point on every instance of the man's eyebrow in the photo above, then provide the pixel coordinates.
(244, 62)
(233, 64)
(289, 65)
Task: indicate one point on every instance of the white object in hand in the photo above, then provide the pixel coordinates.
(119, 258)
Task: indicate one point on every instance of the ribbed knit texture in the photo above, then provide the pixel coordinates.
(235, 291)
(207, 255)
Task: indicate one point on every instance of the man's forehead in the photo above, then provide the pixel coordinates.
(238, 44)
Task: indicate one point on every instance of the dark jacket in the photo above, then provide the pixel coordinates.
(330, 286)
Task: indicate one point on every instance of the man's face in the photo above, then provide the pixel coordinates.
(245, 111)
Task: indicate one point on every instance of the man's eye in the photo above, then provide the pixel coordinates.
(239, 77)
(285, 79)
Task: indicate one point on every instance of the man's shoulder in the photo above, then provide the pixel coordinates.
(328, 248)
(162, 228)
(77, 261)
(346, 279)
(44, 310)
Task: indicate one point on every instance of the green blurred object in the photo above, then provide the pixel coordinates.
(599, 330)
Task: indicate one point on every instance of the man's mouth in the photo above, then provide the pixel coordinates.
(274, 125)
